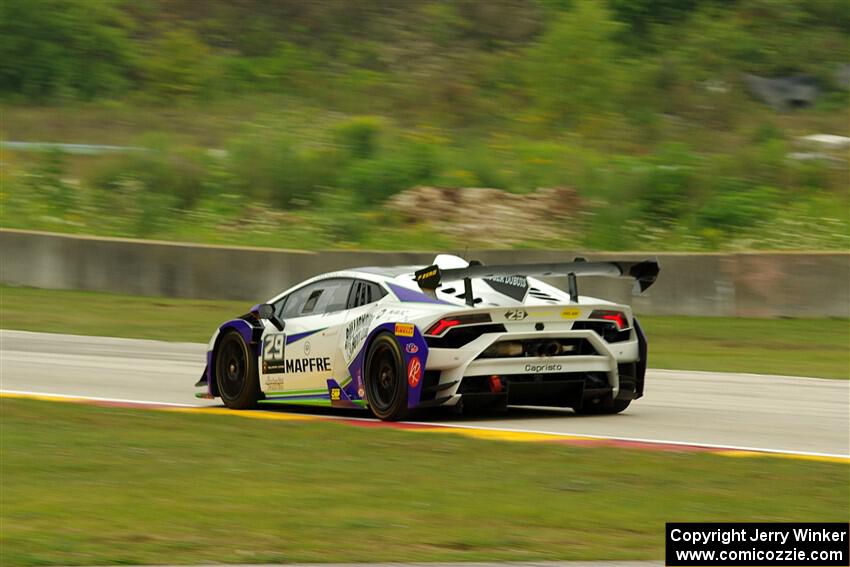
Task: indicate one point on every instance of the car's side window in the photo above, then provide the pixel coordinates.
(364, 293)
(312, 301)
(335, 296)
(280, 305)
(324, 296)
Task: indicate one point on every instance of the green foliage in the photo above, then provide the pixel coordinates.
(575, 67)
(286, 68)
(164, 172)
(339, 219)
(394, 170)
(666, 187)
(359, 136)
(325, 110)
(642, 16)
(735, 205)
(46, 181)
(59, 48)
(274, 168)
(177, 64)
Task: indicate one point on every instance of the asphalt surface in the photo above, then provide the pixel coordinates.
(737, 410)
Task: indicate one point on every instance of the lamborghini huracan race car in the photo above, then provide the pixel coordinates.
(455, 333)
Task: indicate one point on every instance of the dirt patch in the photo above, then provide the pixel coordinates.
(492, 216)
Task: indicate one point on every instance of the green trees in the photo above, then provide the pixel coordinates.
(64, 48)
(576, 69)
(315, 109)
(463, 63)
(176, 64)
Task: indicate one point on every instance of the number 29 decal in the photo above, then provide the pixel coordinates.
(273, 346)
(516, 314)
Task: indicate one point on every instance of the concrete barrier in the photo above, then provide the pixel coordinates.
(805, 284)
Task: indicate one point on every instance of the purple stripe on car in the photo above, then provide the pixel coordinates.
(299, 336)
(411, 295)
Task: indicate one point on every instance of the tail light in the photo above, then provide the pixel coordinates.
(618, 317)
(443, 325)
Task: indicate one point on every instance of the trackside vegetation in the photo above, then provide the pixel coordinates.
(85, 485)
(293, 123)
(801, 347)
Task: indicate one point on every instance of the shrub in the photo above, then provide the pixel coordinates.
(177, 64)
(46, 181)
(359, 136)
(375, 180)
(668, 185)
(573, 70)
(338, 220)
(734, 205)
(54, 48)
(177, 172)
(274, 168)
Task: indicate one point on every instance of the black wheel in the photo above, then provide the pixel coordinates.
(606, 407)
(236, 372)
(386, 381)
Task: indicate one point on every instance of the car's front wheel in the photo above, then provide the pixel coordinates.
(236, 372)
(386, 383)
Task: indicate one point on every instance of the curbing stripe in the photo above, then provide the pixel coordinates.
(489, 434)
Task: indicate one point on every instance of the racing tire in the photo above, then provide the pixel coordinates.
(236, 372)
(608, 407)
(386, 382)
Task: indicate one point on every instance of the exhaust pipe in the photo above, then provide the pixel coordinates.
(551, 348)
(503, 349)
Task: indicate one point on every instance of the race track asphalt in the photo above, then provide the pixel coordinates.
(778, 413)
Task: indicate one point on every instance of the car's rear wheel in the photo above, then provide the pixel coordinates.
(603, 407)
(236, 372)
(386, 383)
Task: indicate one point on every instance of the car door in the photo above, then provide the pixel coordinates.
(358, 318)
(302, 357)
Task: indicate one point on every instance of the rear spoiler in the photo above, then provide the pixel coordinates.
(644, 273)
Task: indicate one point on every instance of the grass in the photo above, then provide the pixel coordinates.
(796, 347)
(86, 485)
(113, 315)
(793, 347)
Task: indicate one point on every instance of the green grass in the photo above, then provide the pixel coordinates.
(793, 347)
(113, 315)
(796, 347)
(85, 485)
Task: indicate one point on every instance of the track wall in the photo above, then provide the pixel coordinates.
(740, 284)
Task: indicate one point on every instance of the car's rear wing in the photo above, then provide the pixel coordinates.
(644, 273)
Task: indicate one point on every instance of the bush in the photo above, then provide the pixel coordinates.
(574, 69)
(177, 64)
(178, 173)
(375, 180)
(541, 164)
(734, 205)
(53, 48)
(47, 183)
(668, 185)
(274, 168)
(359, 136)
(339, 221)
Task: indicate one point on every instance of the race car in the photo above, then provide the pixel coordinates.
(455, 333)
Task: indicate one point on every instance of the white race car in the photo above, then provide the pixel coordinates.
(451, 334)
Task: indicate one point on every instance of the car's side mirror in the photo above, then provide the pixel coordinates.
(266, 311)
